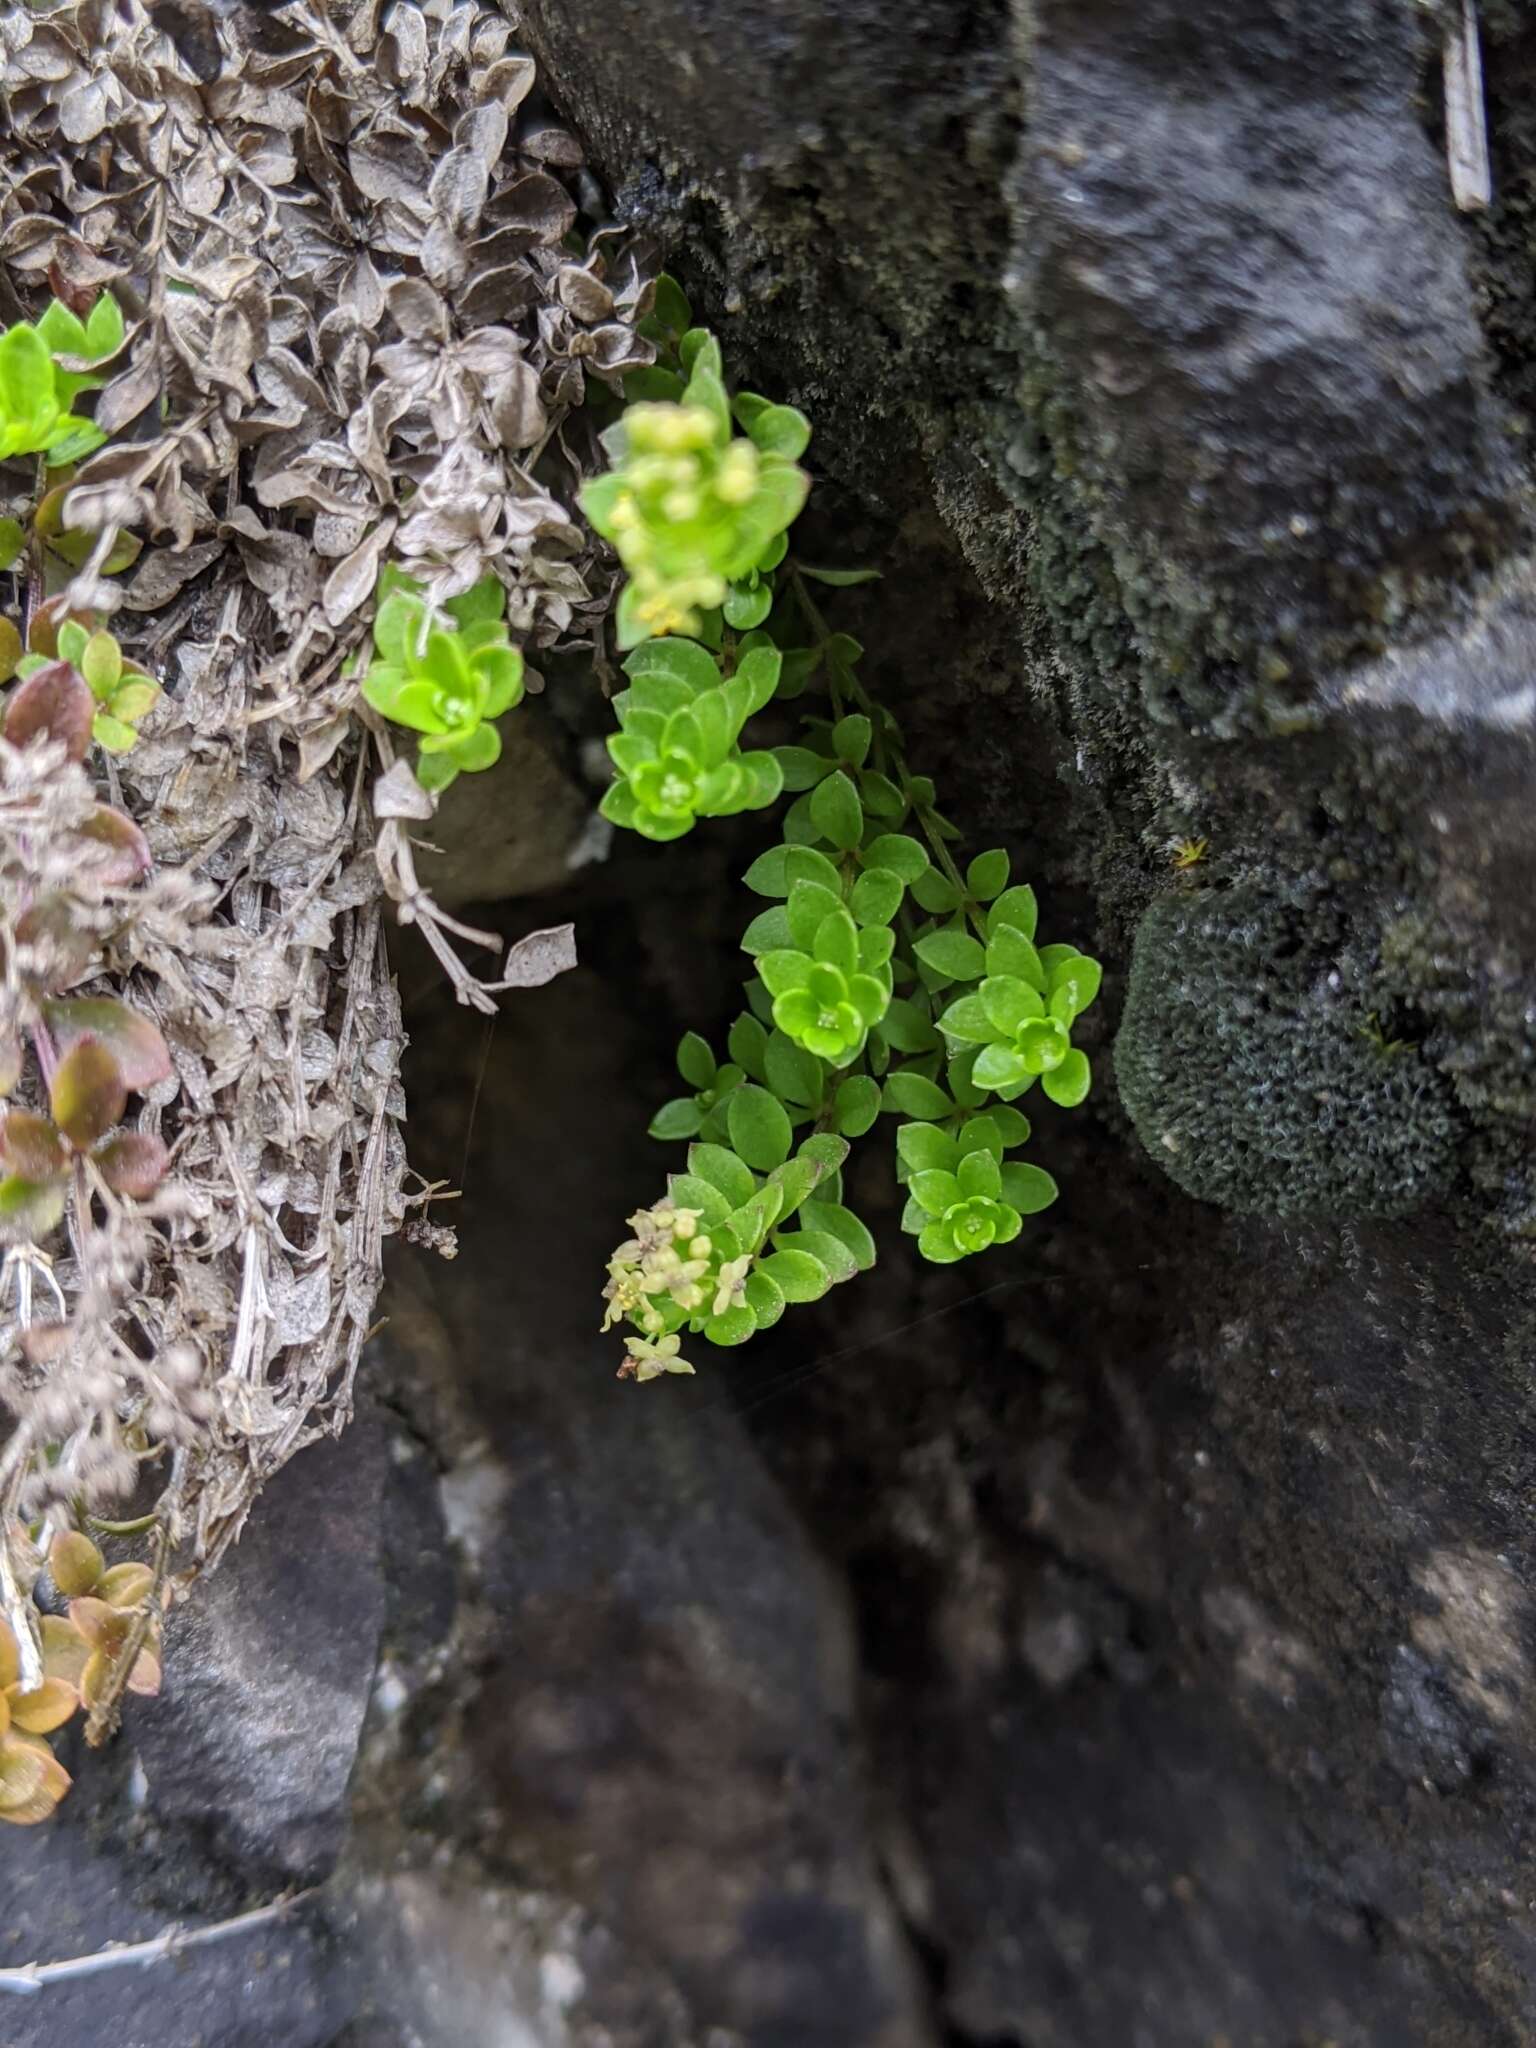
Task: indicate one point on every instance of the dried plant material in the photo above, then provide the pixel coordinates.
(356, 334)
(1466, 119)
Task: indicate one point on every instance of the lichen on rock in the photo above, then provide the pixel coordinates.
(1255, 1078)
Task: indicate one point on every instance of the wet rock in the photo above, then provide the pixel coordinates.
(622, 1802)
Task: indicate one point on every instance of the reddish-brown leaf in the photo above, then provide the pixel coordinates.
(53, 703)
(140, 1052)
(120, 852)
(133, 1163)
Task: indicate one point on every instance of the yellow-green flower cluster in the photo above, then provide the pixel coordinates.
(691, 508)
(669, 1270)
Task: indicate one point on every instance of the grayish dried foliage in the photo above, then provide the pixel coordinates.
(357, 333)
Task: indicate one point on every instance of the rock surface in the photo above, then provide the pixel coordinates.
(1148, 355)
(1139, 1653)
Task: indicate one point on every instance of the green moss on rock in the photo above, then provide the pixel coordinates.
(1245, 1067)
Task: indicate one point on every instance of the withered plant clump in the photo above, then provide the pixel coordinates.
(366, 288)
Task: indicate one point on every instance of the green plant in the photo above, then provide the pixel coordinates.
(123, 693)
(696, 513)
(676, 748)
(445, 672)
(885, 979)
(37, 392)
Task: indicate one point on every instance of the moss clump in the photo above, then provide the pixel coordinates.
(1252, 1075)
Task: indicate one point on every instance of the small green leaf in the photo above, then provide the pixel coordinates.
(899, 852)
(764, 1298)
(1068, 1083)
(680, 1118)
(682, 662)
(952, 953)
(794, 1074)
(958, 1073)
(1009, 952)
(839, 579)
(987, 875)
(833, 1220)
(936, 1191)
(876, 896)
(936, 892)
(938, 1246)
(1009, 1004)
(1074, 983)
(768, 932)
(784, 970)
(1013, 1126)
(978, 1174)
(802, 769)
(837, 942)
(781, 430)
(695, 1061)
(966, 1018)
(760, 1130)
(795, 1179)
(851, 737)
(981, 1134)
(735, 1326)
(111, 733)
(745, 609)
(1016, 908)
(999, 1066)
(913, 1095)
(748, 1046)
(797, 1275)
(13, 539)
(692, 1191)
(882, 799)
(837, 813)
(907, 1028)
(855, 1105)
(827, 1151)
(30, 1208)
(877, 942)
(806, 864)
(766, 876)
(827, 1250)
(809, 905)
(924, 1148)
(723, 1170)
(1027, 1189)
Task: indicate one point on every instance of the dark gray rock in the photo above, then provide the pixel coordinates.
(251, 1743)
(631, 1808)
(1254, 1076)
(90, 1878)
(1147, 355)
(1234, 252)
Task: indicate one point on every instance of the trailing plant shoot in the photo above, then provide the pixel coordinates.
(885, 978)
